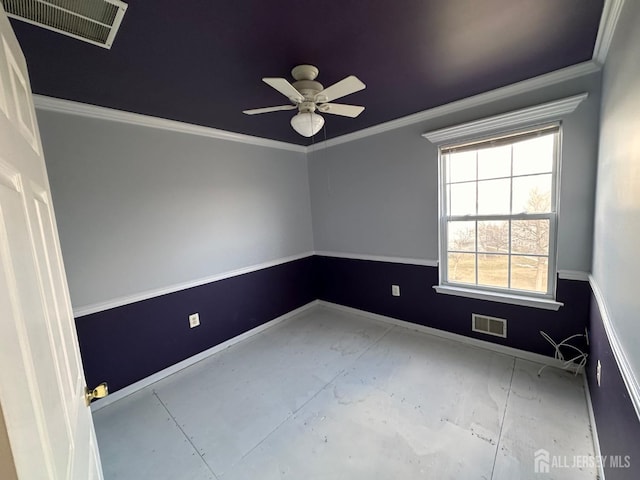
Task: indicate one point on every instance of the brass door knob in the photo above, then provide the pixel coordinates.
(100, 391)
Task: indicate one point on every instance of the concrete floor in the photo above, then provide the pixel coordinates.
(331, 395)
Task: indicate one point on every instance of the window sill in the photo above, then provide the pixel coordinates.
(543, 303)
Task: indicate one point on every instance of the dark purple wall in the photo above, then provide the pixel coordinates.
(366, 285)
(126, 344)
(616, 420)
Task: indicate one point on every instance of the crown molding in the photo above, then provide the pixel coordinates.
(42, 102)
(558, 76)
(608, 22)
(45, 103)
(540, 113)
(102, 113)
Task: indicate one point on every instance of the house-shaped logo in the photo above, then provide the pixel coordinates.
(541, 461)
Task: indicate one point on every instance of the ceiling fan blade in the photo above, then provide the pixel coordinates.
(344, 87)
(340, 109)
(284, 87)
(255, 111)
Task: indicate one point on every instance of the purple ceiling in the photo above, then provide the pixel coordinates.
(201, 61)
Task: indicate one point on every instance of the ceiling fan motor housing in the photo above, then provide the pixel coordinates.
(305, 107)
(308, 88)
(305, 72)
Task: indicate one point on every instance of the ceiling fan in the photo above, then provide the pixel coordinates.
(307, 95)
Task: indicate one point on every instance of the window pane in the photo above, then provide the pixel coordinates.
(462, 236)
(462, 166)
(529, 273)
(493, 197)
(463, 199)
(493, 270)
(530, 236)
(494, 162)
(532, 194)
(534, 155)
(461, 267)
(493, 236)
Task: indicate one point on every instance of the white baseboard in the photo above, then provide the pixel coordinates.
(594, 430)
(145, 382)
(514, 352)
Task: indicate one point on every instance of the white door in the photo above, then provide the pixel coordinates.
(42, 383)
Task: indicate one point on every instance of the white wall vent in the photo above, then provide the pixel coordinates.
(489, 325)
(93, 21)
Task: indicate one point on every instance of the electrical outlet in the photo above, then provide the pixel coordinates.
(598, 372)
(395, 290)
(194, 320)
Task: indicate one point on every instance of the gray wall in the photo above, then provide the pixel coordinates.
(616, 255)
(140, 208)
(379, 195)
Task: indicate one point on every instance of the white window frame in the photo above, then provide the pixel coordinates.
(498, 126)
(552, 216)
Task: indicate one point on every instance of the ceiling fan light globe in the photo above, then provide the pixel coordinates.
(307, 124)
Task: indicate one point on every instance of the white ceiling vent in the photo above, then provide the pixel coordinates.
(93, 21)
